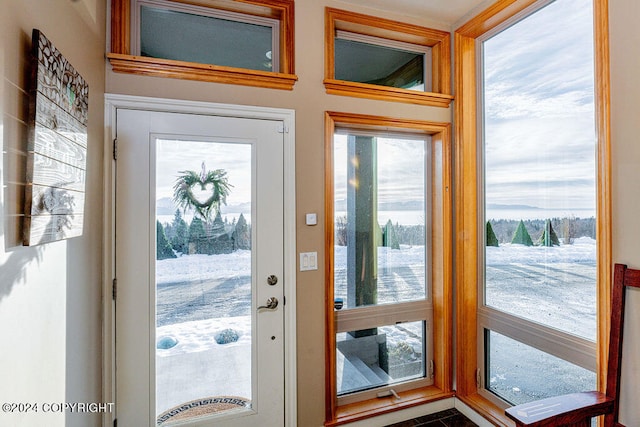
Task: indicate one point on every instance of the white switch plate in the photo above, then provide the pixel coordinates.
(311, 219)
(308, 261)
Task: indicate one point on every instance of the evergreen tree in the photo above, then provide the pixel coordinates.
(521, 236)
(549, 236)
(197, 235)
(242, 233)
(492, 240)
(179, 238)
(163, 247)
(389, 236)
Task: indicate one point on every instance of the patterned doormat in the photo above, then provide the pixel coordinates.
(200, 407)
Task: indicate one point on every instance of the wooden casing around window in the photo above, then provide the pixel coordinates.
(441, 269)
(438, 41)
(466, 170)
(122, 61)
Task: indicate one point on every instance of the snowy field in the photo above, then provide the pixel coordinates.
(200, 295)
(554, 286)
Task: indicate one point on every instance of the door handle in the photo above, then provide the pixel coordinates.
(272, 303)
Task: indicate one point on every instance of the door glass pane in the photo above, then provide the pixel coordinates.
(380, 211)
(519, 373)
(540, 171)
(361, 62)
(380, 356)
(203, 279)
(171, 34)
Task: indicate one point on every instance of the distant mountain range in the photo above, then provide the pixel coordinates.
(166, 206)
(499, 206)
(409, 205)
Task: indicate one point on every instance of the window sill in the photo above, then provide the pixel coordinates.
(487, 409)
(373, 407)
(365, 90)
(146, 66)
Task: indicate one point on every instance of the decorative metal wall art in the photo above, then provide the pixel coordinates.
(57, 147)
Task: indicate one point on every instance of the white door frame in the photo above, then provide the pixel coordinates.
(114, 102)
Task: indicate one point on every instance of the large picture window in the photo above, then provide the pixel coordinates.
(388, 262)
(539, 151)
(533, 257)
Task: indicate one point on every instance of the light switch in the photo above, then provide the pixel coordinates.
(312, 219)
(308, 261)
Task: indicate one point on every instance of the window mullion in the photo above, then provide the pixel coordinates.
(387, 314)
(572, 348)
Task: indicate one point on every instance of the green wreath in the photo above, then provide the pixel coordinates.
(183, 195)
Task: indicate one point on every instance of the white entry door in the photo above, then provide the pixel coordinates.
(199, 266)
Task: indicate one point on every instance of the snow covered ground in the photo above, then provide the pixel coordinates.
(554, 285)
(200, 295)
(582, 251)
(186, 269)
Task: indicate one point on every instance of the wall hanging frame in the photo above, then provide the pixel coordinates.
(56, 147)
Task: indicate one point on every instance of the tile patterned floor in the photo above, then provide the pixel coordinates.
(448, 418)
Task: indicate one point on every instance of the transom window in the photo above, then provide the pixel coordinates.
(377, 58)
(185, 32)
(224, 41)
(378, 61)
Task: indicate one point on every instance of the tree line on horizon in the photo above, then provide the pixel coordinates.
(528, 232)
(546, 232)
(390, 235)
(201, 236)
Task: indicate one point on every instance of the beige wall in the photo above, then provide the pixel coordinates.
(50, 327)
(625, 113)
(50, 295)
(309, 101)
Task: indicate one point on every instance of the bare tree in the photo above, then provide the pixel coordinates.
(569, 229)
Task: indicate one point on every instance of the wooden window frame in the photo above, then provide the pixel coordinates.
(466, 166)
(438, 41)
(441, 269)
(283, 10)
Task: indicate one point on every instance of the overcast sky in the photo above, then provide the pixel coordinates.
(175, 156)
(401, 170)
(539, 125)
(539, 122)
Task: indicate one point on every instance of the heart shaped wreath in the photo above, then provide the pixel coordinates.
(215, 182)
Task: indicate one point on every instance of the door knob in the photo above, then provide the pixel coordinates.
(272, 303)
